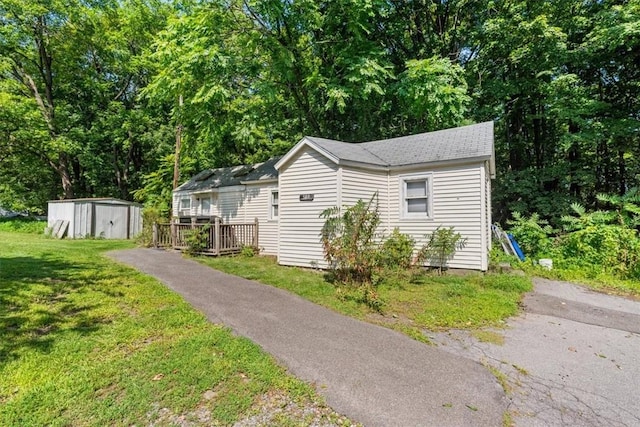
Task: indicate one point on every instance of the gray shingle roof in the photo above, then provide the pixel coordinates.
(234, 175)
(466, 142)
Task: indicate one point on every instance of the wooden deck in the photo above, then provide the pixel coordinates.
(219, 239)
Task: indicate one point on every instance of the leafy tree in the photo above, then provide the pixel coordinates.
(74, 70)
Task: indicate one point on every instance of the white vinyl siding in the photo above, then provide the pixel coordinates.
(307, 173)
(456, 201)
(231, 205)
(257, 199)
(486, 214)
(359, 184)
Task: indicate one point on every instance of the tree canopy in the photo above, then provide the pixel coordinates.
(89, 90)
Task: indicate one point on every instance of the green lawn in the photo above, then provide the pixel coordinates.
(432, 302)
(85, 341)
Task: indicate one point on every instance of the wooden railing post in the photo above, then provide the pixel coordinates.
(216, 246)
(174, 233)
(154, 234)
(255, 234)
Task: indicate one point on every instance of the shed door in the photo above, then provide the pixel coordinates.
(111, 221)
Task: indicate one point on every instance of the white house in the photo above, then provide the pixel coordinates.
(237, 195)
(423, 181)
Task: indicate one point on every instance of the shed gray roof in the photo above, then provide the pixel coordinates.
(234, 175)
(466, 142)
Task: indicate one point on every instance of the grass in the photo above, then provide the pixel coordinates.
(23, 225)
(87, 342)
(491, 337)
(600, 281)
(432, 302)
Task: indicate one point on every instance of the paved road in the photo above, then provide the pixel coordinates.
(370, 374)
(572, 358)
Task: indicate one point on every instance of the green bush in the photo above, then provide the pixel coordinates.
(349, 241)
(247, 251)
(150, 216)
(441, 246)
(23, 225)
(197, 239)
(532, 234)
(397, 251)
(593, 243)
(613, 248)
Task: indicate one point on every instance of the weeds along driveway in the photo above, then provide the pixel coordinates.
(369, 373)
(572, 358)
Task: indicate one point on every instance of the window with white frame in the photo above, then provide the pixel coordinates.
(185, 205)
(205, 206)
(416, 196)
(274, 205)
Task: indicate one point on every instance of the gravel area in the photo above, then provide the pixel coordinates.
(270, 409)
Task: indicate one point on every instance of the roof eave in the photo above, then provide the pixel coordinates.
(439, 163)
(370, 166)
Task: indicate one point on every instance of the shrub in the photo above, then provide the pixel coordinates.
(349, 241)
(441, 247)
(23, 225)
(247, 251)
(197, 239)
(150, 216)
(397, 251)
(613, 248)
(532, 234)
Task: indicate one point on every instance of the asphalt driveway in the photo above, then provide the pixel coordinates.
(370, 374)
(571, 359)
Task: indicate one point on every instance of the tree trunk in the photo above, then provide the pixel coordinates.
(62, 168)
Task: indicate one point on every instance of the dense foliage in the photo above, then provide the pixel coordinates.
(89, 90)
(360, 258)
(596, 243)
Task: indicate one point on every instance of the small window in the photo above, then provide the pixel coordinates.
(185, 204)
(205, 206)
(416, 197)
(274, 205)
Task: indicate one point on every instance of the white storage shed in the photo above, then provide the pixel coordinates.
(99, 217)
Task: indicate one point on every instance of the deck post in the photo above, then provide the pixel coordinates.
(255, 234)
(155, 234)
(216, 245)
(174, 234)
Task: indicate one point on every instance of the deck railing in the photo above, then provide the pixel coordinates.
(219, 239)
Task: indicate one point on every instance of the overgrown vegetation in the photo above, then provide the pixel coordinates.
(197, 239)
(23, 225)
(349, 241)
(85, 341)
(150, 216)
(441, 247)
(359, 258)
(601, 245)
